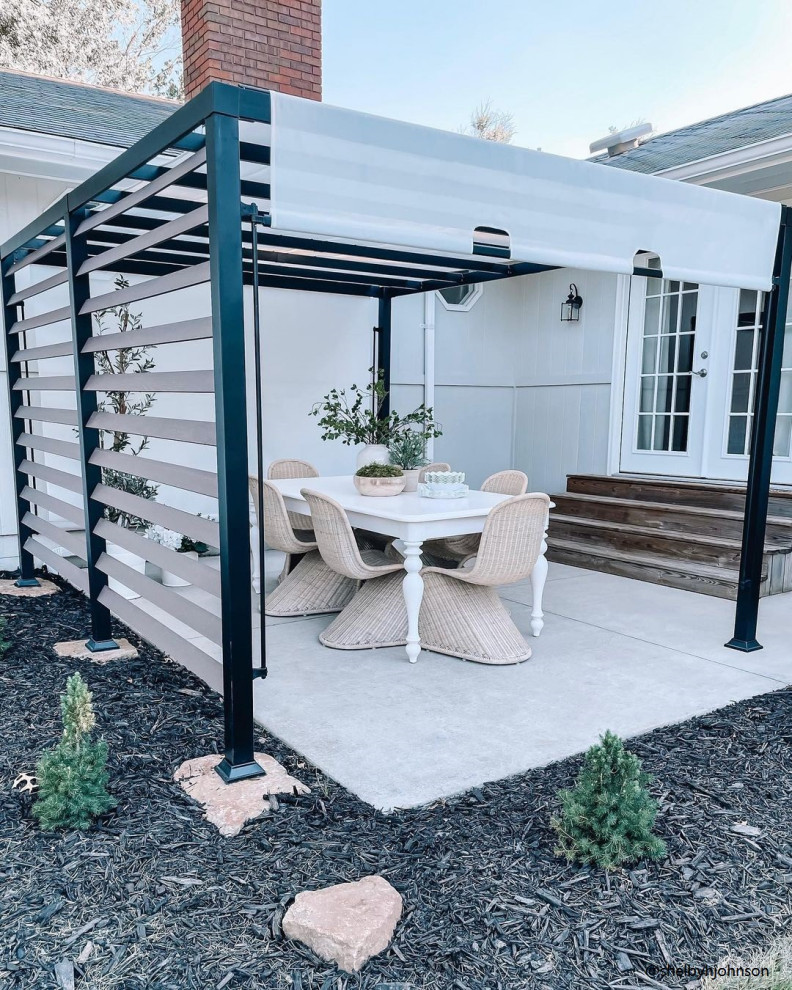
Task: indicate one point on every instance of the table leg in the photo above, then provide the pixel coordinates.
(538, 578)
(413, 587)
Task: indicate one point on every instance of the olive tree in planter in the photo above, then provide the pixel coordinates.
(354, 416)
(124, 361)
(408, 451)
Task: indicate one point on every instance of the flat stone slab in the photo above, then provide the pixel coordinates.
(7, 587)
(347, 923)
(229, 806)
(77, 650)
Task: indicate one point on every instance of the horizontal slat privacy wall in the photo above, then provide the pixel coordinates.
(62, 343)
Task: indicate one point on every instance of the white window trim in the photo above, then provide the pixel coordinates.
(467, 305)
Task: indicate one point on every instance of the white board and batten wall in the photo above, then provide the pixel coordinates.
(514, 386)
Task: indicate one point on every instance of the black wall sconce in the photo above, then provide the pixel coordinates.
(570, 310)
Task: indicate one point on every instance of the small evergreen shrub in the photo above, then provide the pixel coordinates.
(72, 776)
(607, 818)
(379, 471)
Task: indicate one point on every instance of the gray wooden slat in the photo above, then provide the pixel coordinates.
(174, 604)
(71, 482)
(63, 349)
(186, 430)
(190, 479)
(157, 286)
(76, 576)
(179, 521)
(35, 256)
(140, 196)
(165, 639)
(34, 496)
(73, 542)
(166, 333)
(197, 572)
(45, 414)
(63, 448)
(33, 290)
(153, 381)
(166, 231)
(41, 320)
(44, 383)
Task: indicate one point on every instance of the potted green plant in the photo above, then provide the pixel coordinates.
(354, 416)
(379, 479)
(408, 451)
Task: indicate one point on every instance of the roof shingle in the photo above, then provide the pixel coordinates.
(75, 110)
(715, 136)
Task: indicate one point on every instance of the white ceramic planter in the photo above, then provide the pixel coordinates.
(411, 479)
(379, 486)
(171, 580)
(373, 453)
(131, 560)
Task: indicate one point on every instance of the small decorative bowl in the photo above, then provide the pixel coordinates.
(380, 486)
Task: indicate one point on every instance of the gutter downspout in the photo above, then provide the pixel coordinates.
(428, 326)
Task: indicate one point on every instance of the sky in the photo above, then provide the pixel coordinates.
(566, 69)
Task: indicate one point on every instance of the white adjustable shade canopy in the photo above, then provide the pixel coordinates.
(341, 174)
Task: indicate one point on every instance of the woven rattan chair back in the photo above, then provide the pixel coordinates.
(506, 483)
(287, 468)
(335, 538)
(436, 466)
(511, 541)
(278, 531)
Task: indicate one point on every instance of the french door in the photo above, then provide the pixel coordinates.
(666, 372)
(690, 379)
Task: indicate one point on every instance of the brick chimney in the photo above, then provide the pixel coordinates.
(271, 44)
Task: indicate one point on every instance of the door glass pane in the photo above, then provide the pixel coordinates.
(666, 364)
(647, 394)
(680, 436)
(783, 435)
(665, 393)
(737, 435)
(747, 336)
(649, 355)
(662, 433)
(741, 389)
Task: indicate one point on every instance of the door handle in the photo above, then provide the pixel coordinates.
(701, 374)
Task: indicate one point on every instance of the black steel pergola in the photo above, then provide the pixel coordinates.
(188, 205)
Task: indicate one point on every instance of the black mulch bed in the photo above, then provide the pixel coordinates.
(166, 902)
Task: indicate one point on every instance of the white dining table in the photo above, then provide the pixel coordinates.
(411, 519)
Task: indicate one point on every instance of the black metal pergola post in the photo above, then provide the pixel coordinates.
(84, 366)
(757, 495)
(384, 324)
(228, 319)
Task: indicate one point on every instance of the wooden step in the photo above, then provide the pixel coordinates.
(724, 523)
(706, 579)
(598, 533)
(702, 494)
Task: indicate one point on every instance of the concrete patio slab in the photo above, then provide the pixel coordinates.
(681, 620)
(400, 735)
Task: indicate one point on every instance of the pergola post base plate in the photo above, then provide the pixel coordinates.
(230, 774)
(744, 645)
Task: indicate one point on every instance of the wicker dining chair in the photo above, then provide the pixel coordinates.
(287, 468)
(454, 550)
(377, 615)
(306, 586)
(461, 613)
(436, 466)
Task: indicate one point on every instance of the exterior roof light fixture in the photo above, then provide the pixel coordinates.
(570, 309)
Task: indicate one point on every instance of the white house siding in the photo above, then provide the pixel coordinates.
(514, 386)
